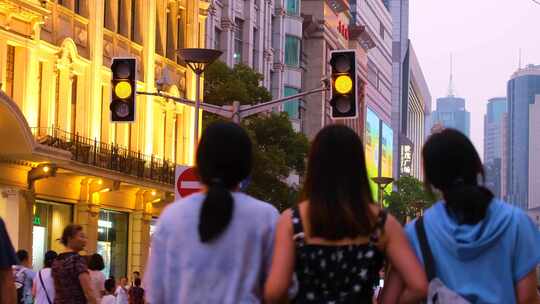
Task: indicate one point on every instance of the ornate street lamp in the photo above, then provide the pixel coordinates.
(382, 183)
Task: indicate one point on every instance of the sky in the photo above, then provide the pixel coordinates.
(484, 37)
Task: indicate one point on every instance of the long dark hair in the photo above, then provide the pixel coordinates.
(452, 165)
(337, 185)
(224, 159)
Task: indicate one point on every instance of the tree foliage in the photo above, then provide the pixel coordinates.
(409, 200)
(278, 149)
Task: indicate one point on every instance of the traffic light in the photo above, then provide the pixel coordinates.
(343, 91)
(124, 83)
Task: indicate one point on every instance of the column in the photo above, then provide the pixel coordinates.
(96, 11)
(88, 213)
(149, 44)
(16, 211)
(140, 233)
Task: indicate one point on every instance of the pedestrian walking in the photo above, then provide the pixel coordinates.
(109, 297)
(7, 261)
(122, 291)
(475, 246)
(134, 276)
(43, 285)
(335, 241)
(24, 277)
(95, 266)
(136, 293)
(214, 246)
(69, 270)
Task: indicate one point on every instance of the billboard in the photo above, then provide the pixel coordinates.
(387, 156)
(373, 124)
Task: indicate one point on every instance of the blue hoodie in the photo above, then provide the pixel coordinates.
(481, 262)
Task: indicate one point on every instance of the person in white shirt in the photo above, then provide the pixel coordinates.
(96, 265)
(43, 285)
(122, 292)
(109, 297)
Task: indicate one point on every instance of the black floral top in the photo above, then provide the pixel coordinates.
(66, 269)
(337, 274)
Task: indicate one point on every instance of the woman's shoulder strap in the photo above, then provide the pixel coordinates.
(298, 228)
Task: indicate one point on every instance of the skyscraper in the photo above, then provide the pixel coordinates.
(493, 124)
(523, 133)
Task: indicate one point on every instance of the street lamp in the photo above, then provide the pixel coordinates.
(382, 183)
(197, 60)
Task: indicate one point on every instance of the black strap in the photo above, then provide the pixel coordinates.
(378, 228)
(45, 289)
(427, 255)
(298, 228)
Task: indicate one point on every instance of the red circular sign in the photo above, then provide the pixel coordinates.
(188, 182)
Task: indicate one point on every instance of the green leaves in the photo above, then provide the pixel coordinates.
(278, 150)
(410, 199)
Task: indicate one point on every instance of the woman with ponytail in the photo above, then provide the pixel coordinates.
(483, 249)
(214, 246)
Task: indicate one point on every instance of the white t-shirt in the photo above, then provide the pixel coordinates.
(41, 297)
(108, 299)
(98, 283)
(122, 295)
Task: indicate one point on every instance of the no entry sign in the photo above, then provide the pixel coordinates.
(186, 182)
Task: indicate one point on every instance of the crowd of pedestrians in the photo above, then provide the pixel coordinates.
(224, 246)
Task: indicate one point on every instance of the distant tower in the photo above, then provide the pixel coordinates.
(451, 111)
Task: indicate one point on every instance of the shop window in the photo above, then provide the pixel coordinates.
(293, 7)
(292, 107)
(10, 71)
(49, 221)
(113, 242)
(292, 51)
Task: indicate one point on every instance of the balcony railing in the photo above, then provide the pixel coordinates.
(108, 156)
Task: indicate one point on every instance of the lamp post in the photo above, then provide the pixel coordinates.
(382, 183)
(197, 60)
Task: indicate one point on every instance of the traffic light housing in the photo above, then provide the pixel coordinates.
(343, 91)
(124, 84)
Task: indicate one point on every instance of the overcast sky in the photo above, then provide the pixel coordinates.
(485, 37)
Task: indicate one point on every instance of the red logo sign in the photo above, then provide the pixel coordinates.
(187, 182)
(343, 30)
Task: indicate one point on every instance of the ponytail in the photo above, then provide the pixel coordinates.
(216, 212)
(468, 203)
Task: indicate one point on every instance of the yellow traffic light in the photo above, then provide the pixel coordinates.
(343, 84)
(123, 89)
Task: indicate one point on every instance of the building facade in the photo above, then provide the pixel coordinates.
(265, 35)
(493, 140)
(451, 113)
(330, 26)
(523, 148)
(67, 162)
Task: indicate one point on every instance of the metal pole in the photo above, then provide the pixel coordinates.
(197, 106)
(236, 112)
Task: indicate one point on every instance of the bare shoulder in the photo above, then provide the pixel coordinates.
(285, 221)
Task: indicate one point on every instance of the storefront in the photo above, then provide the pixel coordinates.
(49, 220)
(113, 242)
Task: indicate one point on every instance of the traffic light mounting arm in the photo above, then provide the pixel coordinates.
(237, 112)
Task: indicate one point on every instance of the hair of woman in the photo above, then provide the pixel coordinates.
(50, 256)
(452, 165)
(224, 159)
(70, 232)
(337, 185)
(96, 262)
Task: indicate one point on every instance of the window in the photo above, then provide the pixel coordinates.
(217, 39)
(292, 107)
(122, 20)
(292, 7)
(40, 99)
(113, 242)
(10, 70)
(238, 44)
(255, 48)
(108, 21)
(135, 28)
(292, 51)
(171, 48)
(103, 120)
(74, 105)
(57, 99)
(181, 28)
(159, 41)
(381, 30)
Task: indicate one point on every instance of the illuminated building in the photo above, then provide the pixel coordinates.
(61, 159)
